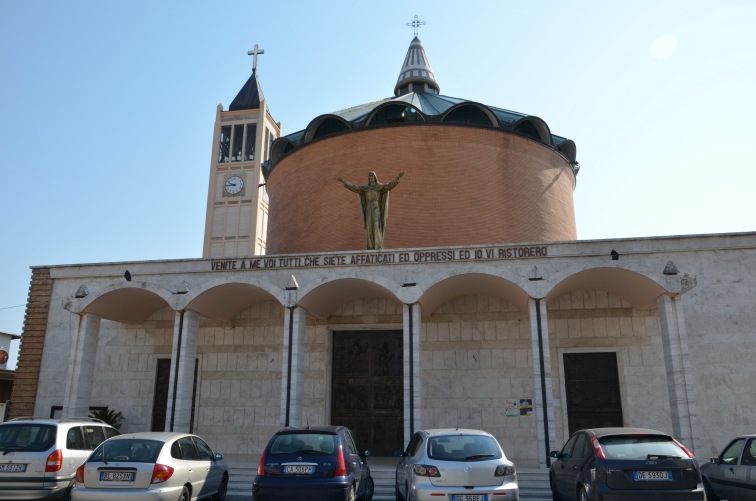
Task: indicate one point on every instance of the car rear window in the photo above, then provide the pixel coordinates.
(640, 447)
(128, 450)
(27, 437)
(463, 448)
(303, 443)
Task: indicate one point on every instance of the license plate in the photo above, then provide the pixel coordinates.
(652, 475)
(299, 470)
(13, 468)
(469, 497)
(116, 476)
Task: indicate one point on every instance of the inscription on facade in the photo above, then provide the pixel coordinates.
(399, 257)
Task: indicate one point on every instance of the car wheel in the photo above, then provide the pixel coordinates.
(67, 495)
(554, 493)
(582, 495)
(369, 489)
(398, 495)
(184, 495)
(222, 490)
(710, 496)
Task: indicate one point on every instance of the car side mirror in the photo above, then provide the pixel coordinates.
(367, 454)
(218, 456)
(714, 460)
(554, 454)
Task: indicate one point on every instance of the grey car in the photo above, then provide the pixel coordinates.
(457, 465)
(152, 466)
(39, 456)
(732, 474)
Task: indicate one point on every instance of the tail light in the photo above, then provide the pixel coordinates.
(261, 466)
(54, 461)
(597, 449)
(161, 473)
(80, 474)
(340, 470)
(422, 470)
(685, 449)
(504, 470)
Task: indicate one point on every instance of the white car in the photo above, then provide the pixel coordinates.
(457, 465)
(39, 456)
(154, 466)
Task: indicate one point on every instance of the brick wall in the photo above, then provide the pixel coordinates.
(463, 186)
(32, 342)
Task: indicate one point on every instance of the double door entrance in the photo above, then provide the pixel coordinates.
(367, 392)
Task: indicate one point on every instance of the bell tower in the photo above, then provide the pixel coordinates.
(237, 202)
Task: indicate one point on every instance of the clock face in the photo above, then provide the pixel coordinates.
(233, 185)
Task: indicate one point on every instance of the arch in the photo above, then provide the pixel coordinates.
(534, 128)
(325, 125)
(280, 148)
(321, 300)
(566, 147)
(634, 287)
(465, 283)
(225, 299)
(129, 303)
(472, 114)
(393, 113)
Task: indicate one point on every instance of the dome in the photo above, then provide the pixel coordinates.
(475, 174)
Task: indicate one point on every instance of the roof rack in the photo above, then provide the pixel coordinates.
(32, 418)
(64, 420)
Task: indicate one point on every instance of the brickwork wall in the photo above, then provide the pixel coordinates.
(463, 186)
(32, 343)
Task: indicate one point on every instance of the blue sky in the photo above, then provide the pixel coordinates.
(107, 108)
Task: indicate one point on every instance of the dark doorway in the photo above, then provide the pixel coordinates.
(160, 399)
(591, 384)
(367, 388)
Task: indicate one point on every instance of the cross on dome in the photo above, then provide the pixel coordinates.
(415, 24)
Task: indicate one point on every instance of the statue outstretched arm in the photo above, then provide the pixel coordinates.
(349, 186)
(393, 182)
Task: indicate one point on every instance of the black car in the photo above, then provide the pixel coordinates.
(624, 463)
(313, 463)
(732, 474)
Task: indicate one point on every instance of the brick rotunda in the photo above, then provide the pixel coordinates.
(474, 174)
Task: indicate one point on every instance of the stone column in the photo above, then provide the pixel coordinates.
(292, 366)
(413, 389)
(82, 364)
(181, 385)
(542, 381)
(677, 364)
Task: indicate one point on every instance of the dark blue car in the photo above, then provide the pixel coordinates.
(313, 463)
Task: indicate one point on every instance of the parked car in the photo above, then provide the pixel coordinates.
(39, 456)
(313, 463)
(624, 463)
(732, 474)
(455, 464)
(154, 466)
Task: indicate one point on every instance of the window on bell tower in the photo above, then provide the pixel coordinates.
(237, 143)
(249, 143)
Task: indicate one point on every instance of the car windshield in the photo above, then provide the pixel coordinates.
(128, 450)
(27, 437)
(463, 448)
(641, 447)
(304, 443)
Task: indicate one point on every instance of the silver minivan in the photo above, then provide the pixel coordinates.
(39, 456)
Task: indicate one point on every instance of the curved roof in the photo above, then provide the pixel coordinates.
(417, 101)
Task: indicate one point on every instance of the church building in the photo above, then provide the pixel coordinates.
(407, 263)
